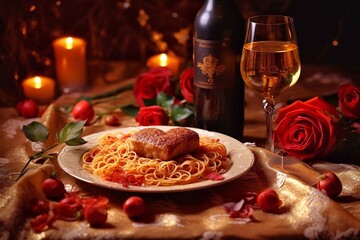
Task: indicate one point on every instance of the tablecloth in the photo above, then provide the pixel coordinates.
(306, 213)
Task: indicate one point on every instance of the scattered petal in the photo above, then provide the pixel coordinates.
(250, 198)
(214, 176)
(244, 208)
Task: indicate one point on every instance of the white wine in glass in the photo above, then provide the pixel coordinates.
(270, 61)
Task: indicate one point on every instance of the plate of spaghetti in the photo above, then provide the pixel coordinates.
(128, 159)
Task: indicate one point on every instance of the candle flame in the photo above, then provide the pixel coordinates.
(163, 60)
(69, 43)
(37, 82)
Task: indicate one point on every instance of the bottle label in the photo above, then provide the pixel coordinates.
(214, 64)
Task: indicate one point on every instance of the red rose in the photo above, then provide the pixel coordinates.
(349, 101)
(186, 84)
(152, 115)
(306, 130)
(150, 83)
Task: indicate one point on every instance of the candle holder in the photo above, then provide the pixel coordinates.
(70, 64)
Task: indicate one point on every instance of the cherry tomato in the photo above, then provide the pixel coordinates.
(268, 200)
(53, 188)
(134, 207)
(95, 214)
(330, 184)
(27, 108)
(83, 110)
(112, 120)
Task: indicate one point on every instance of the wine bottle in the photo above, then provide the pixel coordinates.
(218, 39)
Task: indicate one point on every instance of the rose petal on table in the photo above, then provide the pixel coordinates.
(214, 176)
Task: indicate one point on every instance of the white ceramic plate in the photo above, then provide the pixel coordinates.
(70, 160)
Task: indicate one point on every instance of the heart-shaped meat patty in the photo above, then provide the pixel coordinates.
(155, 143)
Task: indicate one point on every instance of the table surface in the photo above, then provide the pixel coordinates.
(306, 212)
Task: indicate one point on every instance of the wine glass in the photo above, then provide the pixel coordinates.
(270, 61)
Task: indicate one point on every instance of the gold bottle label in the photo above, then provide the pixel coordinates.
(214, 64)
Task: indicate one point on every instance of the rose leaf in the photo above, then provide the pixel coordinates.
(149, 101)
(130, 110)
(76, 141)
(179, 113)
(35, 132)
(164, 100)
(71, 131)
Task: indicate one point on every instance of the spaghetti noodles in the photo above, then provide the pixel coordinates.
(112, 159)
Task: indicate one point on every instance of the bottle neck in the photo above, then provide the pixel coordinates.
(219, 20)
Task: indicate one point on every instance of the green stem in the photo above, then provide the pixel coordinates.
(35, 156)
(24, 168)
(113, 92)
(111, 110)
(104, 100)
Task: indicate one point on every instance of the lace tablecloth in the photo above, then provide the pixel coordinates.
(306, 212)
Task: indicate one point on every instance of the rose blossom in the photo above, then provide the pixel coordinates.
(308, 129)
(349, 101)
(152, 115)
(186, 84)
(150, 83)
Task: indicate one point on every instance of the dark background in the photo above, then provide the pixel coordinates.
(328, 32)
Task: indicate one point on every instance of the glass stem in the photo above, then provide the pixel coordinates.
(269, 109)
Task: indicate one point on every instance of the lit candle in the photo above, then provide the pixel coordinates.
(39, 88)
(70, 60)
(169, 61)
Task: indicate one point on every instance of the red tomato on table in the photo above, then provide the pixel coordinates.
(83, 110)
(330, 184)
(53, 188)
(95, 216)
(268, 200)
(27, 108)
(134, 207)
(112, 120)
